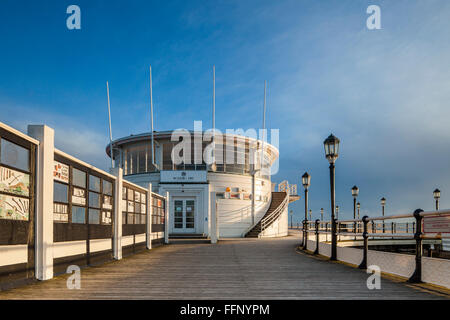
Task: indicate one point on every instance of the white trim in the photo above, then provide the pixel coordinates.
(140, 237)
(68, 248)
(135, 185)
(127, 240)
(13, 254)
(19, 133)
(72, 158)
(96, 245)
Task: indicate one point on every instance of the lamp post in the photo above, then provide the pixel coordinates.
(383, 203)
(292, 213)
(358, 205)
(355, 191)
(310, 214)
(331, 146)
(306, 181)
(321, 214)
(337, 212)
(437, 195)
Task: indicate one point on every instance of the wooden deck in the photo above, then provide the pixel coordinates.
(231, 269)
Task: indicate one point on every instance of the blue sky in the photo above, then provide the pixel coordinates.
(384, 93)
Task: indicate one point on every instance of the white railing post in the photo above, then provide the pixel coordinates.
(149, 216)
(117, 238)
(214, 219)
(44, 200)
(166, 220)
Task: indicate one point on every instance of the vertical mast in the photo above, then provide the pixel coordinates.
(151, 115)
(264, 127)
(110, 132)
(214, 120)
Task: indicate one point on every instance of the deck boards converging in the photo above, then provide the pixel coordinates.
(231, 269)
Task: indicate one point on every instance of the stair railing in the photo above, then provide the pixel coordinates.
(267, 221)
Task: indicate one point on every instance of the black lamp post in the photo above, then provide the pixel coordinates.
(306, 181)
(321, 214)
(310, 214)
(437, 195)
(383, 203)
(337, 212)
(292, 213)
(331, 145)
(355, 191)
(358, 205)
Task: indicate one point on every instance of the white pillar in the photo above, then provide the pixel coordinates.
(166, 220)
(149, 216)
(44, 200)
(214, 225)
(117, 239)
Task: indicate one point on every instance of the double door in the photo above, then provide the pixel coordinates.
(184, 216)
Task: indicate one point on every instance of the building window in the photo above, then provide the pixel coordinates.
(94, 183)
(94, 216)
(134, 206)
(79, 178)
(78, 214)
(14, 155)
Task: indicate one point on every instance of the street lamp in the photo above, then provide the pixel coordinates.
(437, 195)
(331, 146)
(310, 214)
(358, 205)
(292, 213)
(355, 191)
(306, 181)
(321, 214)
(337, 212)
(383, 203)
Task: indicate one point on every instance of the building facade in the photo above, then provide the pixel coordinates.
(237, 185)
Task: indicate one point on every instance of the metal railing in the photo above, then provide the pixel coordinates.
(267, 221)
(370, 227)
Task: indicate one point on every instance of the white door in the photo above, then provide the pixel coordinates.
(184, 216)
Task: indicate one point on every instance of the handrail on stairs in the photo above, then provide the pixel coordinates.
(267, 221)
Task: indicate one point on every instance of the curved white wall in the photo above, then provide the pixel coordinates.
(235, 215)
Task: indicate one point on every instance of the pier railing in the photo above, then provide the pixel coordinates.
(392, 227)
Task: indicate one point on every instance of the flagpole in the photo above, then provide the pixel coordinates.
(214, 119)
(151, 115)
(264, 126)
(110, 131)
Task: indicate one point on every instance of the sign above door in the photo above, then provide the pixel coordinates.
(183, 176)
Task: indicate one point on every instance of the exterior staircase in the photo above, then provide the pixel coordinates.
(278, 199)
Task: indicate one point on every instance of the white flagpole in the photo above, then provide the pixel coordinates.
(151, 115)
(110, 131)
(264, 125)
(214, 120)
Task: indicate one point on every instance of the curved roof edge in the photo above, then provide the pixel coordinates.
(167, 134)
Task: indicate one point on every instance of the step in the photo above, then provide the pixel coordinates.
(187, 236)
